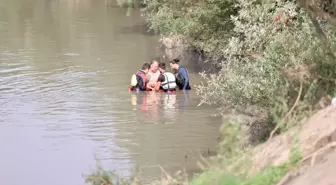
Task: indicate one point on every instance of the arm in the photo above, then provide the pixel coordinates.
(157, 87)
(160, 80)
(148, 77)
(186, 78)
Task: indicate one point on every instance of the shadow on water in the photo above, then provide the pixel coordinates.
(142, 29)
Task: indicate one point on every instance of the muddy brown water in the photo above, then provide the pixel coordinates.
(64, 70)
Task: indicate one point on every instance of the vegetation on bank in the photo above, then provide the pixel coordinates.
(230, 167)
(265, 62)
(276, 70)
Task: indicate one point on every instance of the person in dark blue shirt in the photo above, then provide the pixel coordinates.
(182, 77)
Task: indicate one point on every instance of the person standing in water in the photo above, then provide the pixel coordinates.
(167, 80)
(139, 79)
(153, 75)
(182, 77)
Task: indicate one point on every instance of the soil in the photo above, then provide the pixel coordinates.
(321, 173)
(316, 139)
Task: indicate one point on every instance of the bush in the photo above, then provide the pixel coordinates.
(262, 61)
(269, 60)
(203, 24)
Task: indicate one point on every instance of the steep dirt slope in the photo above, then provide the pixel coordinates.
(316, 139)
(322, 173)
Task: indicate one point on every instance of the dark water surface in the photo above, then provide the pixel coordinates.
(64, 70)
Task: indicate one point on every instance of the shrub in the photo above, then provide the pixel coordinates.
(204, 24)
(262, 61)
(268, 60)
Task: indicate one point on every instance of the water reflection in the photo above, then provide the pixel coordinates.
(159, 107)
(176, 125)
(170, 108)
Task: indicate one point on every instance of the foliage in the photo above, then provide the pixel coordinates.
(227, 168)
(267, 60)
(268, 176)
(103, 177)
(203, 23)
(262, 60)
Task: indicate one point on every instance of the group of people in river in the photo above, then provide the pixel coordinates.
(154, 77)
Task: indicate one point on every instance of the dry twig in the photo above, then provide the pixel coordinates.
(317, 152)
(284, 179)
(288, 113)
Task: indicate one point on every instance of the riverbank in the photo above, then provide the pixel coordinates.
(275, 62)
(265, 61)
(297, 156)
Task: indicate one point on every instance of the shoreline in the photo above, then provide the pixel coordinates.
(271, 71)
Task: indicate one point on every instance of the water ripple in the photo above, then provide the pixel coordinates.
(64, 98)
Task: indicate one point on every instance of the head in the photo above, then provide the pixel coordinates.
(162, 67)
(145, 67)
(154, 66)
(174, 63)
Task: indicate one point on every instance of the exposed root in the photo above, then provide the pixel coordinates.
(316, 153)
(289, 176)
(312, 156)
(285, 179)
(281, 122)
(288, 113)
(169, 178)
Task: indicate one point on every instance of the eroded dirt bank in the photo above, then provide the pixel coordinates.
(315, 139)
(322, 173)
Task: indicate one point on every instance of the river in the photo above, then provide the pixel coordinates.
(64, 70)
